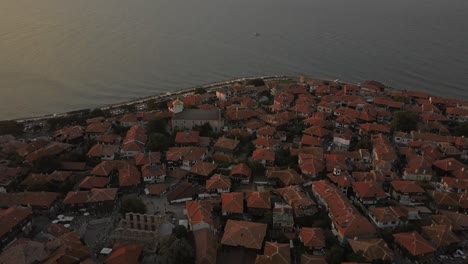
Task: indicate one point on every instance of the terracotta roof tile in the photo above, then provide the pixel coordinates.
(245, 234)
(233, 202)
(414, 243)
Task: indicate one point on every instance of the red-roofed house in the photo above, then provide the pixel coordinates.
(244, 234)
(416, 247)
(218, 184)
(313, 239)
(368, 193)
(13, 222)
(264, 156)
(408, 192)
(125, 253)
(232, 203)
(241, 173)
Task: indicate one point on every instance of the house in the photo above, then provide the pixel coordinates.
(312, 259)
(157, 189)
(14, 221)
(240, 173)
(103, 152)
(93, 130)
(187, 138)
(258, 202)
(10, 177)
(134, 142)
(264, 156)
(284, 177)
(206, 246)
(311, 165)
(129, 120)
(441, 237)
(129, 177)
(226, 146)
(125, 253)
(445, 201)
(232, 203)
(388, 217)
(408, 192)
(454, 185)
(185, 157)
(351, 225)
(147, 158)
(368, 193)
(57, 179)
(218, 184)
(99, 200)
(225, 93)
(91, 182)
(373, 249)
(185, 191)
(40, 202)
(202, 171)
(199, 214)
(313, 240)
(154, 173)
(69, 134)
(415, 247)
(283, 217)
(244, 234)
(274, 253)
(298, 199)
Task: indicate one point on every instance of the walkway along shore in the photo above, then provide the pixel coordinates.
(161, 97)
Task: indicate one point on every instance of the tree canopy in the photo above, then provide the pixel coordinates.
(255, 82)
(10, 127)
(133, 205)
(157, 125)
(158, 142)
(200, 90)
(405, 121)
(46, 164)
(461, 129)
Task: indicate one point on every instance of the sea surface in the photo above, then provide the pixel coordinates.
(63, 55)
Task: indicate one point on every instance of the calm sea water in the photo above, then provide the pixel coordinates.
(62, 55)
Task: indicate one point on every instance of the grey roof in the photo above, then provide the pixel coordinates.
(198, 114)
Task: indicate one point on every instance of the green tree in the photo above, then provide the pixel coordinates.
(335, 255)
(10, 127)
(180, 252)
(255, 82)
(200, 90)
(133, 205)
(158, 142)
(46, 164)
(180, 231)
(405, 121)
(96, 113)
(157, 125)
(205, 130)
(364, 143)
(461, 129)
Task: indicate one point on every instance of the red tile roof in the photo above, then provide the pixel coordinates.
(206, 246)
(258, 199)
(241, 169)
(187, 137)
(312, 237)
(263, 154)
(203, 168)
(407, 187)
(274, 253)
(125, 254)
(233, 202)
(200, 212)
(39, 199)
(94, 182)
(218, 181)
(372, 249)
(129, 176)
(92, 196)
(243, 233)
(366, 190)
(441, 235)
(11, 217)
(414, 243)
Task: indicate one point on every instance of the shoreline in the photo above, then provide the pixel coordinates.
(162, 96)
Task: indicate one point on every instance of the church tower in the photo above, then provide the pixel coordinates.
(177, 106)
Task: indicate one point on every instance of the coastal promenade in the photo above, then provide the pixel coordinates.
(161, 97)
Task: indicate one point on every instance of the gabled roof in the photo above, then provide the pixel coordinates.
(227, 143)
(40, 199)
(218, 181)
(11, 217)
(312, 237)
(274, 253)
(128, 176)
(92, 196)
(233, 202)
(243, 233)
(407, 186)
(312, 259)
(147, 158)
(203, 168)
(372, 249)
(258, 199)
(414, 243)
(448, 165)
(263, 154)
(187, 137)
(242, 169)
(365, 190)
(205, 246)
(286, 176)
(440, 235)
(200, 212)
(122, 253)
